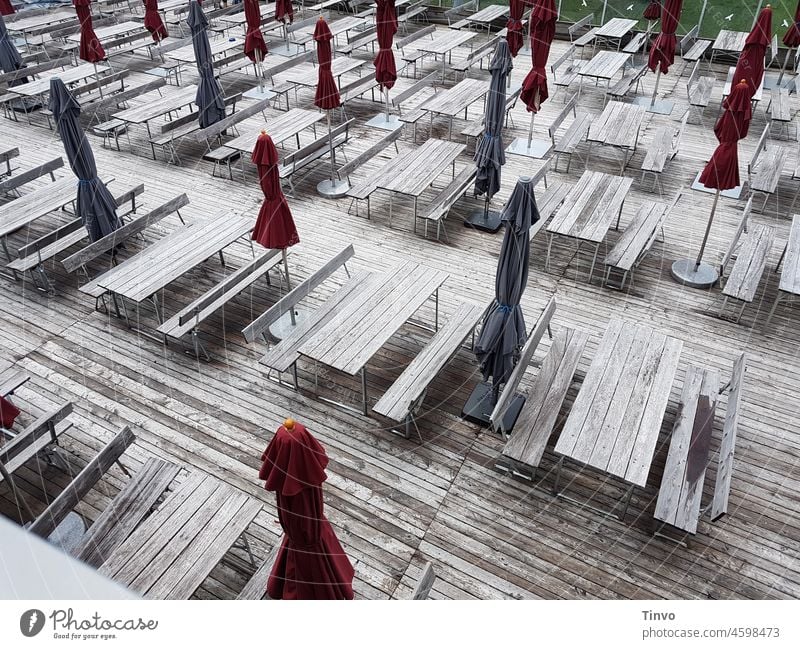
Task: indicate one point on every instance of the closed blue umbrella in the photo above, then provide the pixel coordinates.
(10, 59)
(95, 204)
(210, 99)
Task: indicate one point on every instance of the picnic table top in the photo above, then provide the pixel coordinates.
(310, 77)
(338, 26)
(158, 106)
(790, 272)
(173, 550)
(33, 205)
(417, 169)
(280, 129)
(366, 322)
(185, 54)
(615, 421)
(120, 29)
(618, 125)
(604, 64)
(167, 259)
(445, 41)
(453, 100)
(267, 11)
(780, 107)
(171, 5)
(70, 75)
(590, 207)
(488, 14)
(616, 28)
(23, 25)
(729, 41)
(726, 90)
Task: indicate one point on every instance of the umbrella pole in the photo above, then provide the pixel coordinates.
(486, 208)
(783, 67)
(330, 145)
(288, 283)
(708, 231)
(97, 78)
(530, 130)
(387, 104)
(655, 89)
(260, 70)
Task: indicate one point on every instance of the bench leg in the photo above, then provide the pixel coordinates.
(364, 389)
(594, 261)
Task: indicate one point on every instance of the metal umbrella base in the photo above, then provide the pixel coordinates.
(284, 325)
(333, 188)
(534, 149)
(287, 49)
(259, 93)
(687, 272)
(659, 107)
(392, 123)
(485, 221)
(481, 402)
(728, 193)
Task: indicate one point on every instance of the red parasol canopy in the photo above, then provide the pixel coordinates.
(652, 11)
(792, 36)
(6, 8)
(543, 29)
(152, 20)
(514, 34)
(275, 226)
(8, 413)
(663, 50)
(750, 66)
(283, 10)
(327, 95)
(311, 563)
(385, 67)
(90, 50)
(254, 39)
(722, 171)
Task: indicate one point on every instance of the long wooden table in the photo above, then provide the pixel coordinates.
(616, 29)
(488, 15)
(790, 275)
(618, 125)
(142, 276)
(159, 106)
(171, 553)
(444, 44)
(588, 211)
(34, 23)
(728, 42)
(185, 54)
(366, 322)
(280, 129)
(41, 87)
(310, 77)
(614, 424)
(451, 102)
(603, 65)
(112, 31)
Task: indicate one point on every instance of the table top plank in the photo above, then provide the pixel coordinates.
(729, 41)
(616, 28)
(29, 207)
(445, 41)
(37, 87)
(421, 167)
(604, 65)
(609, 206)
(790, 271)
(24, 25)
(158, 106)
(185, 54)
(454, 100)
(618, 125)
(280, 129)
(309, 76)
(111, 31)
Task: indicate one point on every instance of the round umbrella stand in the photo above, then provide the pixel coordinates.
(333, 188)
(287, 323)
(694, 275)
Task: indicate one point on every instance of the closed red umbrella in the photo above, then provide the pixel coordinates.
(652, 11)
(254, 46)
(152, 20)
(662, 54)
(534, 87)
(275, 226)
(310, 563)
(284, 10)
(91, 50)
(385, 68)
(327, 95)
(791, 39)
(514, 34)
(750, 66)
(8, 413)
(6, 8)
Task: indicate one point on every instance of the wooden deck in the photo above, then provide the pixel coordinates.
(395, 503)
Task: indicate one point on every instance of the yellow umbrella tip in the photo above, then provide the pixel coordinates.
(288, 423)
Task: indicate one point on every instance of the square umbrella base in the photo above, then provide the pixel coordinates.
(659, 107)
(728, 193)
(380, 121)
(259, 93)
(287, 49)
(703, 276)
(771, 81)
(537, 148)
(484, 221)
(481, 402)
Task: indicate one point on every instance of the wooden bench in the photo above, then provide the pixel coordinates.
(692, 48)
(256, 586)
(404, 398)
(92, 91)
(527, 434)
(588, 38)
(343, 172)
(13, 183)
(102, 109)
(698, 89)
(418, 86)
(189, 318)
(319, 148)
(439, 207)
(779, 109)
(284, 355)
(6, 155)
(82, 484)
(665, 145)
(364, 39)
(283, 89)
(638, 43)
(78, 260)
(622, 87)
(565, 68)
(478, 54)
(425, 584)
(765, 166)
(457, 18)
(415, 55)
(475, 127)
(8, 78)
(32, 256)
(356, 89)
(575, 133)
(636, 242)
(415, 10)
(11, 380)
(38, 438)
(748, 268)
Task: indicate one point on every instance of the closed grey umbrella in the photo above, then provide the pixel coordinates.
(10, 59)
(95, 205)
(503, 331)
(489, 154)
(209, 99)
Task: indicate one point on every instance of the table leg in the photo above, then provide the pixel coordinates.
(547, 256)
(774, 306)
(558, 476)
(777, 266)
(594, 261)
(364, 388)
(627, 502)
(436, 314)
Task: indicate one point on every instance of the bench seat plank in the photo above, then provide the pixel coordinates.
(751, 260)
(722, 485)
(625, 254)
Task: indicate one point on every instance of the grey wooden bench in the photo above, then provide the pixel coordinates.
(779, 110)
(284, 355)
(92, 91)
(565, 68)
(698, 89)
(665, 145)
(586, 39)
(638, 44)
(418, 86)
(11, 380)
(271, 69)
(356, 89)
(478, 54)
(475, 127)
(765, 166)
(343, 172)
(457, 17)
(256, 586)
(414, 55)
(748, 268)
(575, 133)
(39, 438)
(6, 155)
(622, 87)
(365, 39)
(8, 78)
(439, 207)
(13, 183)
(310, 153)
(404, 398)
(32, 256)
(692, 48)
(422, 589)
(188, 319)
(636, 242)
